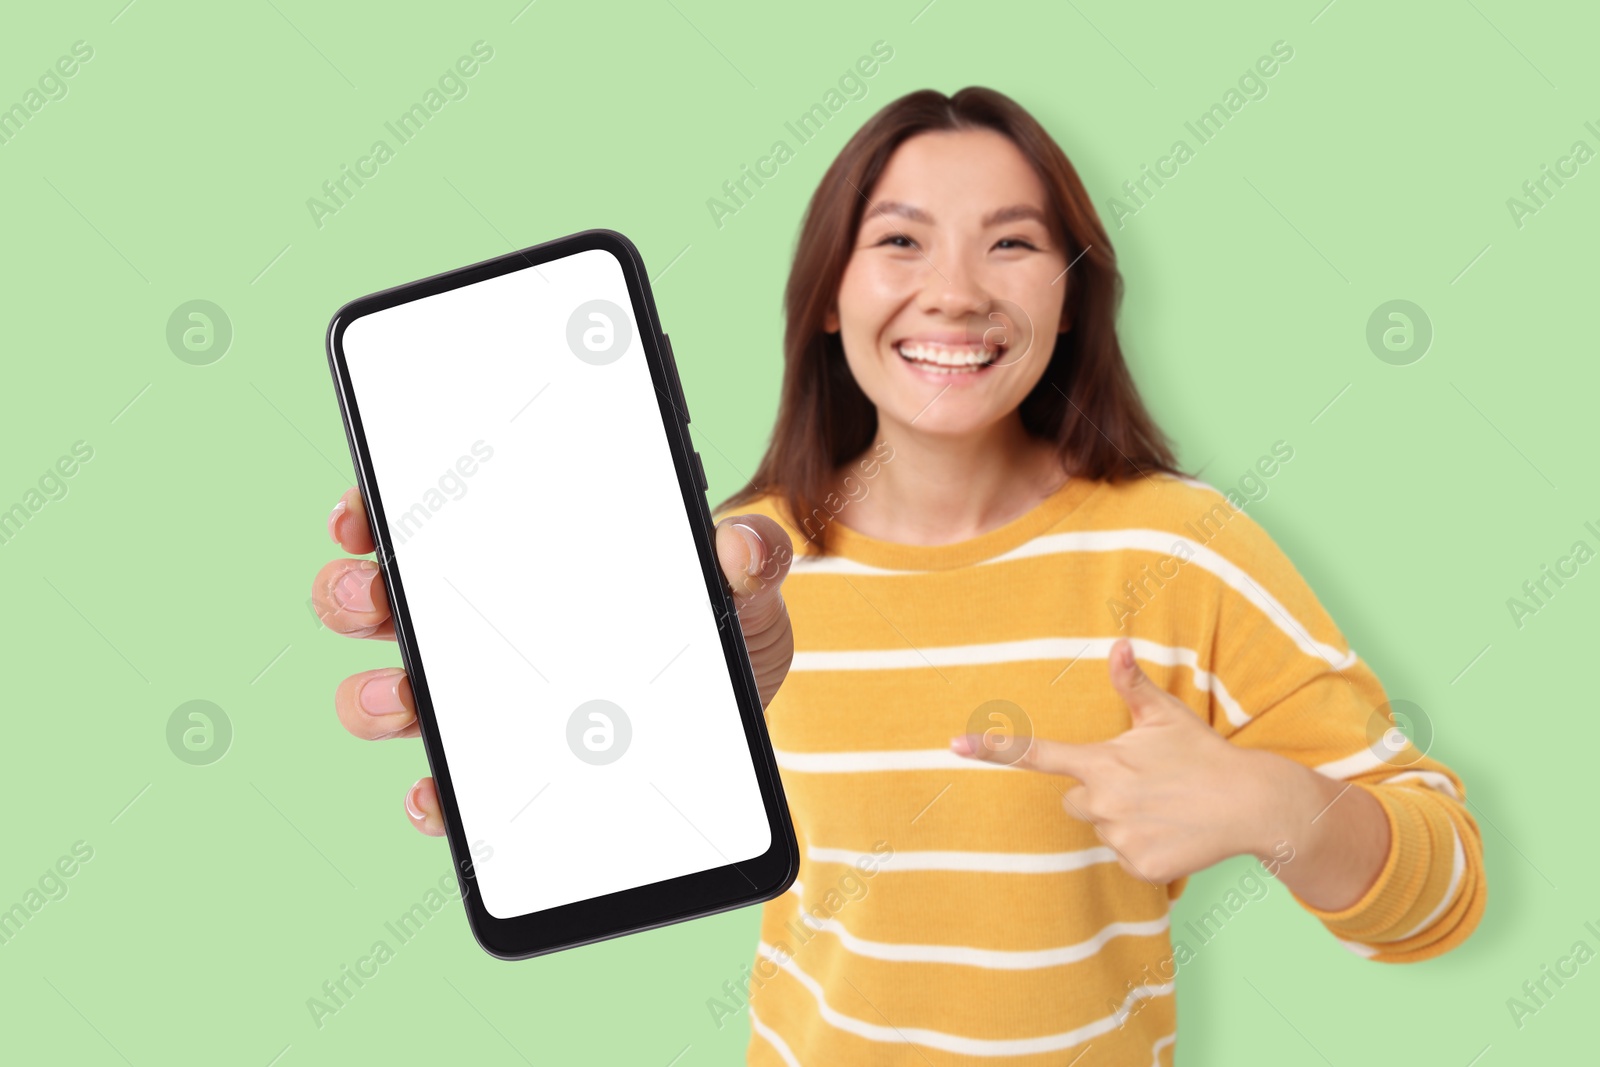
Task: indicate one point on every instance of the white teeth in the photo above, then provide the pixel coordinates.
(947, 358)
(931, 369)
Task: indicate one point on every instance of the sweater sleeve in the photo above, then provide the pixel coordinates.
(1285, 681)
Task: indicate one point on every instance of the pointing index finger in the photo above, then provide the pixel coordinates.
(1051, 757)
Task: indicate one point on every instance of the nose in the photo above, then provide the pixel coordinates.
(952, 287)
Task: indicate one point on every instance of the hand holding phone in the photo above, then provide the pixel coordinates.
(571, 535)
(350, 600)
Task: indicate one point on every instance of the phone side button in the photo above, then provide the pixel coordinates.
(672, 372)
(700, 473)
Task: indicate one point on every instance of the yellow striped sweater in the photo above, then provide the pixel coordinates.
(948, 910)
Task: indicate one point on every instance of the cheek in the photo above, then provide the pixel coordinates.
(869, 294)
(1043, 304)
(1031, 370)
(1045, 300)
(1041, 307)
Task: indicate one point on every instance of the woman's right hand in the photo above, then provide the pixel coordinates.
(348, 594)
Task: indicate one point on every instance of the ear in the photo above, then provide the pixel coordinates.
(830, 321)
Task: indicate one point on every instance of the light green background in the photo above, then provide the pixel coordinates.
(178, 565)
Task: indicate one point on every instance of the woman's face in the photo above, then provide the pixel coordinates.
(951, 302)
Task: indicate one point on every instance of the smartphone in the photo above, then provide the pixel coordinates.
(585, 697)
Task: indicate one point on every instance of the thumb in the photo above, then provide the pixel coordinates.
(755, 554)
(1147, 702)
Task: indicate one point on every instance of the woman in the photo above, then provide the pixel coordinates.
(1035, 676)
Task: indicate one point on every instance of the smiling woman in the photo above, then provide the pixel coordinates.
(951, 336)
(970, 283)
(952, 299)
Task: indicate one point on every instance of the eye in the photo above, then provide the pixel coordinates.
(1015, 242)
(902, 239)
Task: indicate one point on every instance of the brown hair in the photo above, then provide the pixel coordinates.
(1086, 402)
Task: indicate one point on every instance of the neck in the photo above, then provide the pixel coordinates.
(940, 490)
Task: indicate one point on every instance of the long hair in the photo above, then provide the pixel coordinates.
(1086, 402)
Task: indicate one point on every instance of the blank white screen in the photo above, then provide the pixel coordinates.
(547, 561)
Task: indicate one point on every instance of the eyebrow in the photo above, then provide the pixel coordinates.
(1001, 215)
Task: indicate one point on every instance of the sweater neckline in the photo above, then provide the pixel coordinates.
(845, 541)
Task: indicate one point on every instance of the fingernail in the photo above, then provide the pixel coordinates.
(339, 512)
(961, 745)
(381, 695)
(354, 590)
(757, 547)
(411, 802)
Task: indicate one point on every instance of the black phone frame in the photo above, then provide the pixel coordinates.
(645, 907)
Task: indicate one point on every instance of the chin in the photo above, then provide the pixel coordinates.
(955, 420)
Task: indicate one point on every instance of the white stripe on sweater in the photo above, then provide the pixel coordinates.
(985, 958)
(773, 1039)
(1458, 868)
(951, 860)
(898, 759)
(1133, 539)
(1040, 648)
(1431, 779)
(957, 1043)
(1379, 755)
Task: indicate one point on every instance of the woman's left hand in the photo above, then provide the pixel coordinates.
(1170, 795)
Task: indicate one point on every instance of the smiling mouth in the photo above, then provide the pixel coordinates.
(948, 358)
